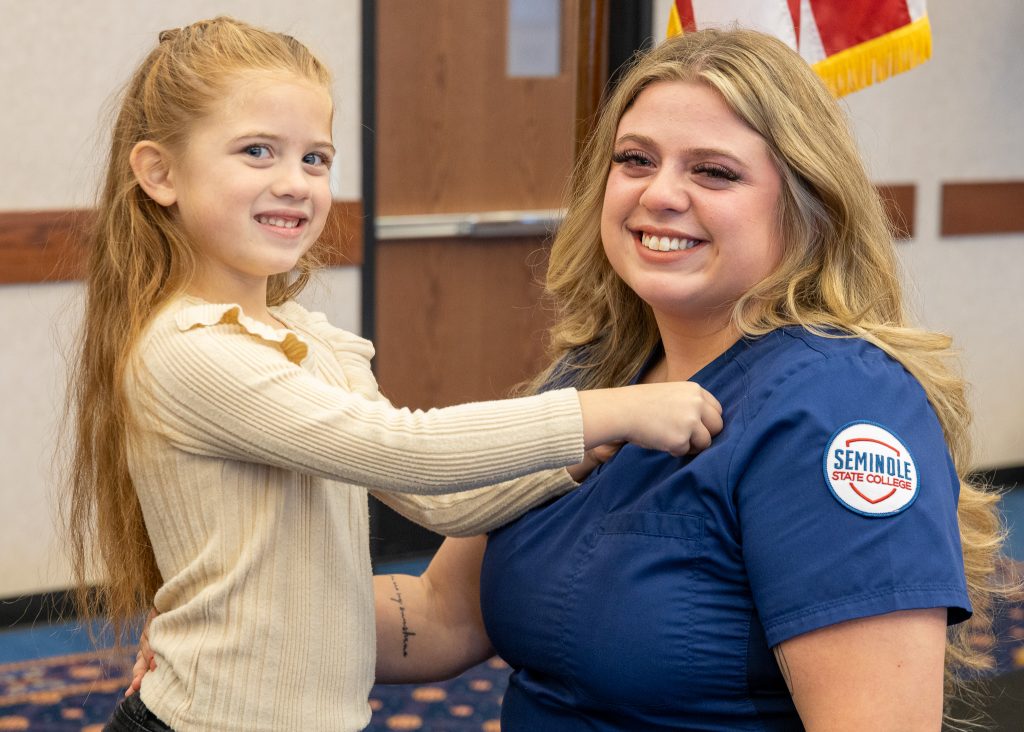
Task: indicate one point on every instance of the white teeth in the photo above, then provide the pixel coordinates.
(666, 243)
(278, 221)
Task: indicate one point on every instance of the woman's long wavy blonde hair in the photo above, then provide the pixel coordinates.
(138, 259)
(838, 269)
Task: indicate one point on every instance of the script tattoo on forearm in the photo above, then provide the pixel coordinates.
(406, 633)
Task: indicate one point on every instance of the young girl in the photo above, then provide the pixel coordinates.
(226, 437)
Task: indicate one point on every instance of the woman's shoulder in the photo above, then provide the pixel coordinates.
(831, 343)
(829, 350)
(806, 369)
(817, 393)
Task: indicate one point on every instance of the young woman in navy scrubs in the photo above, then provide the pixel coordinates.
(807, 570)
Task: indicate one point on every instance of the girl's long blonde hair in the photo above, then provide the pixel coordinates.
(138, 259)
(838, 269)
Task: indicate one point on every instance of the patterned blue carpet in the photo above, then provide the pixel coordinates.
(77, 693)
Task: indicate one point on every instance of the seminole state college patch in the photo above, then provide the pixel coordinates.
(870, 471)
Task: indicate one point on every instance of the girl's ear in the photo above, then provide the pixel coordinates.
(151, 163)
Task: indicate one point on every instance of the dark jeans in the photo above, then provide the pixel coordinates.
(132, 715)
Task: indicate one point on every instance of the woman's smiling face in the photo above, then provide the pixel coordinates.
(690, 215)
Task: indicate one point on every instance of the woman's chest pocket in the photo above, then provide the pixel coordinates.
(627, 626)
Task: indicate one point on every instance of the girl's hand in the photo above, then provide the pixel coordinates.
(144, 660)
(678, 417)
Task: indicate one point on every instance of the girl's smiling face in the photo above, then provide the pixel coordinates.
(690, 215)
(252, 185)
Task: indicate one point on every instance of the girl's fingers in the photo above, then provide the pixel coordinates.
(700, 439)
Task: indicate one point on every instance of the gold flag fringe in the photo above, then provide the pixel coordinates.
(878, 59)
(675, 25)
(866, 63)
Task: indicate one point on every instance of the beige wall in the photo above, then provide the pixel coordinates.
(61, 65)
(958, 117)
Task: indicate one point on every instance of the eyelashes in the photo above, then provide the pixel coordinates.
(260, 151)
(632, 156)
(639, 160)
(317, 158)
(714, 170)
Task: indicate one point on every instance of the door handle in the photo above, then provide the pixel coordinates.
(484, 225)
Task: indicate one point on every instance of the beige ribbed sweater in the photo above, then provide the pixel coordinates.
(255, 450)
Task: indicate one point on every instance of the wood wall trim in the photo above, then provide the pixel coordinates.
(40, 246)
(45, 246)
(899, 204)
(983, 207)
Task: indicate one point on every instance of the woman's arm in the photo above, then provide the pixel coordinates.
(878, 673)
(430, 627)
(831, 581)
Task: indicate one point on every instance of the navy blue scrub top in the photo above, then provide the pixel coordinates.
(650, 597)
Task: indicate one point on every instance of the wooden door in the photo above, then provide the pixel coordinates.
(459, 319)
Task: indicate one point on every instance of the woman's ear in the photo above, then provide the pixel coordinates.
(151, 163)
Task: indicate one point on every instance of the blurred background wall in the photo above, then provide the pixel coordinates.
(955, 120)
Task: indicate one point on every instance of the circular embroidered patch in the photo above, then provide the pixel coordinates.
(870, 471)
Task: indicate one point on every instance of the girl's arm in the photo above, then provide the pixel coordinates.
(220, 391)
(881, 673)
(430, 627)
(678, 417)
(481, 510)
(477, 511)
